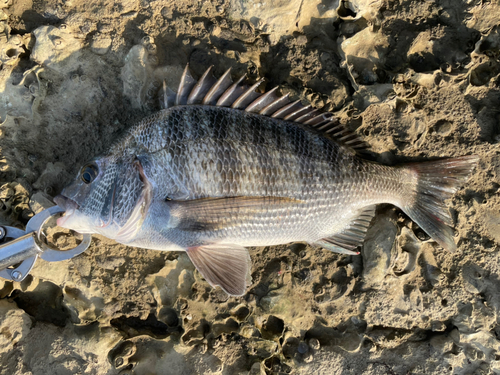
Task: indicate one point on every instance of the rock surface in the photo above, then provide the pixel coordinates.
(415, 79)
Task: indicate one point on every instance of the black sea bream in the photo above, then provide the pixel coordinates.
(224, 167)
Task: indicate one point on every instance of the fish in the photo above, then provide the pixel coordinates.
(223, 167)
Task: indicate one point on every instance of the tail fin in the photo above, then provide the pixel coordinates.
(437, 181)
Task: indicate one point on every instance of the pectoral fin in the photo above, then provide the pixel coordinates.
(227, 266)
(217, 213)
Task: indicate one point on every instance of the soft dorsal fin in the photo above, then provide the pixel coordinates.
(224, 265)
(352, 236)
(223, 92)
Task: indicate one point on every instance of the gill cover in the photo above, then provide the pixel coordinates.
(134, 222)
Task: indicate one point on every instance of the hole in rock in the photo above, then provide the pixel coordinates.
(272, 328)
(168, 316)
(11, 52)
(344, 10)
(241, 313)
(134, 326)
(44, 303)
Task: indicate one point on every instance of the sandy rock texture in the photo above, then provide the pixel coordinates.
(415, 79)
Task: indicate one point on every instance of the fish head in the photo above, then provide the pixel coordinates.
(105, 196)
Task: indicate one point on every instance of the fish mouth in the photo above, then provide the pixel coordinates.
(67, 204)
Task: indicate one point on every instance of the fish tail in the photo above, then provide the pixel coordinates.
(436, 181)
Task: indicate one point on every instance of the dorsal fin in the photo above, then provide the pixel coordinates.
(286, 109)
(223, 92)
(218, 88)
(185, 87)
(262, 101)
(169, 96)
(232, 93)
(248, 96)
(202, 87)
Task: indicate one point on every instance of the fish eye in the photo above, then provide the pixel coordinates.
(89, 173)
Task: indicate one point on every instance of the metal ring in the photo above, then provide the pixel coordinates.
(12, 232)
(53, 255)
(40, 218)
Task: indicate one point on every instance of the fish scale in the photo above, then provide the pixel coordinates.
(212, 180)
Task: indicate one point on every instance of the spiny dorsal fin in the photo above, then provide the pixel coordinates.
(169, 96)
(218, 88)
(262, 101)
(282, 112)
(248, 96)
(224, 93)
(185, 87)
(202, 87)
(232, 93)
(278, 103)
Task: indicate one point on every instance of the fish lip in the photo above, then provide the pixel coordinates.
(67, 204)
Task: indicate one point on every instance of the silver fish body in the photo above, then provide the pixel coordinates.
(213, 180)
(208, 152)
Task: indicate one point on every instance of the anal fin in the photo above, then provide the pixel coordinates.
(353, 236)
(327, 245)
(224, 265)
